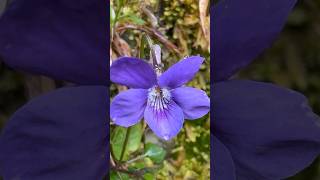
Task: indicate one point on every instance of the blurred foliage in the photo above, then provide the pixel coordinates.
(294, 62)
(12, 93)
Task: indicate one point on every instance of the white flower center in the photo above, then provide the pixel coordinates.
(159, 98)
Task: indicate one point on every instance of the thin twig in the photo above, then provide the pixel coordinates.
(152, 32)
(135, 173)
(136, 158)
(112, 161)
(138, 174)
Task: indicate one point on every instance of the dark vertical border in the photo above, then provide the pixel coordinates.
(212, 62)
(107, 20)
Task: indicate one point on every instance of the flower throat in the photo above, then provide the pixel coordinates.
(159, 98)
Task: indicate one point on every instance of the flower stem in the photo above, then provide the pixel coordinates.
(136, 158)
(124, 147)
(119, 175)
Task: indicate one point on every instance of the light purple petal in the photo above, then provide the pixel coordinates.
(167, 123)
(181, 72)
(270, 131)
(133, 72)
(127, 108)
(194, 102)
(242, 29)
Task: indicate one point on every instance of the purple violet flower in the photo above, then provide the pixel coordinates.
(259, 131)
(163, 101)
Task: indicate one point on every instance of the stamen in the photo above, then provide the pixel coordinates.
(159, 98)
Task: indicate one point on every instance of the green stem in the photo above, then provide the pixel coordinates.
(117, 15)
(136, 158)
(142, 45)
(116, 18)
(119, 175)
(124, 147)
(111, 148)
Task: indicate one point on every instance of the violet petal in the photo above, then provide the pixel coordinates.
(61, 135)
(181, 72)
(133, 72)
(167, 123)
(65, 39)
(194, 102)
(127, 108)
(271, 132)
(242, 30)
(222, 166)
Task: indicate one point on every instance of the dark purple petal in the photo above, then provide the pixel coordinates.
(194, 102)
(270, 131)
(242, 30)
(133, 72)
(127, 108)
(221, 161)
(181, 72)
(61, 135)
(63, 39)
(167, 123)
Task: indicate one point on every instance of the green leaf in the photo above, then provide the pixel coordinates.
(138, 165)
(149, 176)
(133, 142)
(120, 3)
(155, 152)
(118, 176)
(117, 141)
(112, 15)
(132, 18)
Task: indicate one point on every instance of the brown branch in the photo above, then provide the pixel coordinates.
(152, 32)
(112, 161)
(138, 174)
(135, 173)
